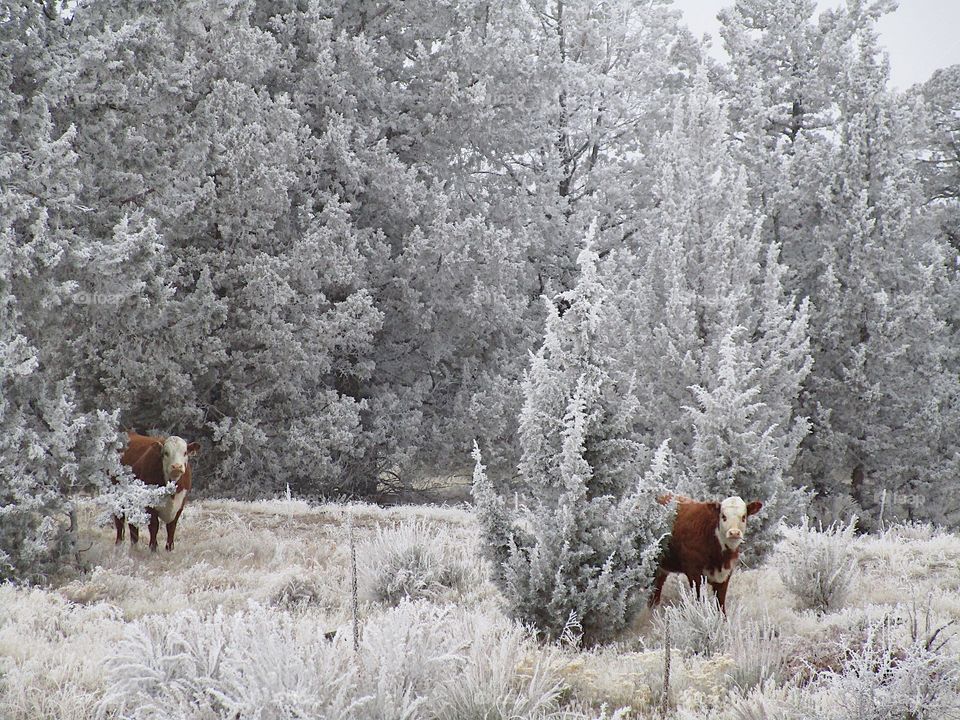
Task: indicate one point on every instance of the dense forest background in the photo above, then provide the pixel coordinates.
(316, 236)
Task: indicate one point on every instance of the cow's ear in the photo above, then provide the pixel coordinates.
(754, 507)
(158, 442)
(193, 448)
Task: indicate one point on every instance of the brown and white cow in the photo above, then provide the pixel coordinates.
(704, 543)
(157, 461)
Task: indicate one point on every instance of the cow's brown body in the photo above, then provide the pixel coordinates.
(144, 456)
(695, 549)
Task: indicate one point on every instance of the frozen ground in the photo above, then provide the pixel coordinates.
(250, 618)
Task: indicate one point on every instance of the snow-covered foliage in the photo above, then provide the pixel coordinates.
(886, 678)
(54, 443)
(696, 624)
(414, 560)
(583, 543)
(718, 343)
(817, 565)
(216, 629)
(833, 166)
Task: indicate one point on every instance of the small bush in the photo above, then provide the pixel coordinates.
(261, 663)
(414, 560)
(498, 678)
(575, 712)
(818, 566)
(757, 652)
(883, 679)
(770, 701)
(298, 592)
(462, 666)
(697, 626)
(809, 657)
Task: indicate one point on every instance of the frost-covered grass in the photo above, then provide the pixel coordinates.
(416, 560)
(818, 566)
(250, 617)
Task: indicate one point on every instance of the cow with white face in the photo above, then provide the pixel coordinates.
(733, 521)
(159, 461)
(175, 457)
(705, 542)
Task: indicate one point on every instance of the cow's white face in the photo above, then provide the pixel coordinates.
(175, 458)
(733, 521)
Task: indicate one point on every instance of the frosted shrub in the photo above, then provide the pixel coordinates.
(592, 547)
(757, 652)
(586, 713)
(882, 679)
(697, 625)
(414, 560)
(298, 591)
(402, 654)
(499, 677)
(458, 665)
(768, 702)
(818, 566)
(260, 663)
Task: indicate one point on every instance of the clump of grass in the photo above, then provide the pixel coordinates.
(697, 626)
(757, 652)
(885, 678)
(297, 591)
(818, 567)
(413, 560)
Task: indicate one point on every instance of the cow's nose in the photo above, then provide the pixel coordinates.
(734, 533)
(176, 470)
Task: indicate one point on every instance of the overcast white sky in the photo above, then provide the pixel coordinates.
(921, 36)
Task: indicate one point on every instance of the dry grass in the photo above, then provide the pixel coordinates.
(292, 559)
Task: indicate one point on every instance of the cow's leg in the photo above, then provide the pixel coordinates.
(721, 590)
(134, 534)
(696, 582)
(658, 587)
(154, 526)
(118, 523)
(171, 529)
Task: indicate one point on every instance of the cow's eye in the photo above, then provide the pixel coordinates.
(723, 517)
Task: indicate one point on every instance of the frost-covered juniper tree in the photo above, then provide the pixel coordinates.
(583, 543)
(827, 147)
(51, 444)
(719, 347)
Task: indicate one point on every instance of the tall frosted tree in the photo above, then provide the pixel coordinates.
(887, 430)
(940, 150)
(52, 443)
(266, 328)
(583, 544)
(780, 80)
(317, 274)
(719, 345)
(828, 154)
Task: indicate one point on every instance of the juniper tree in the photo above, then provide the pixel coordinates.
(828, 146)
(583, 543)
(52, 443)
(719, 346)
